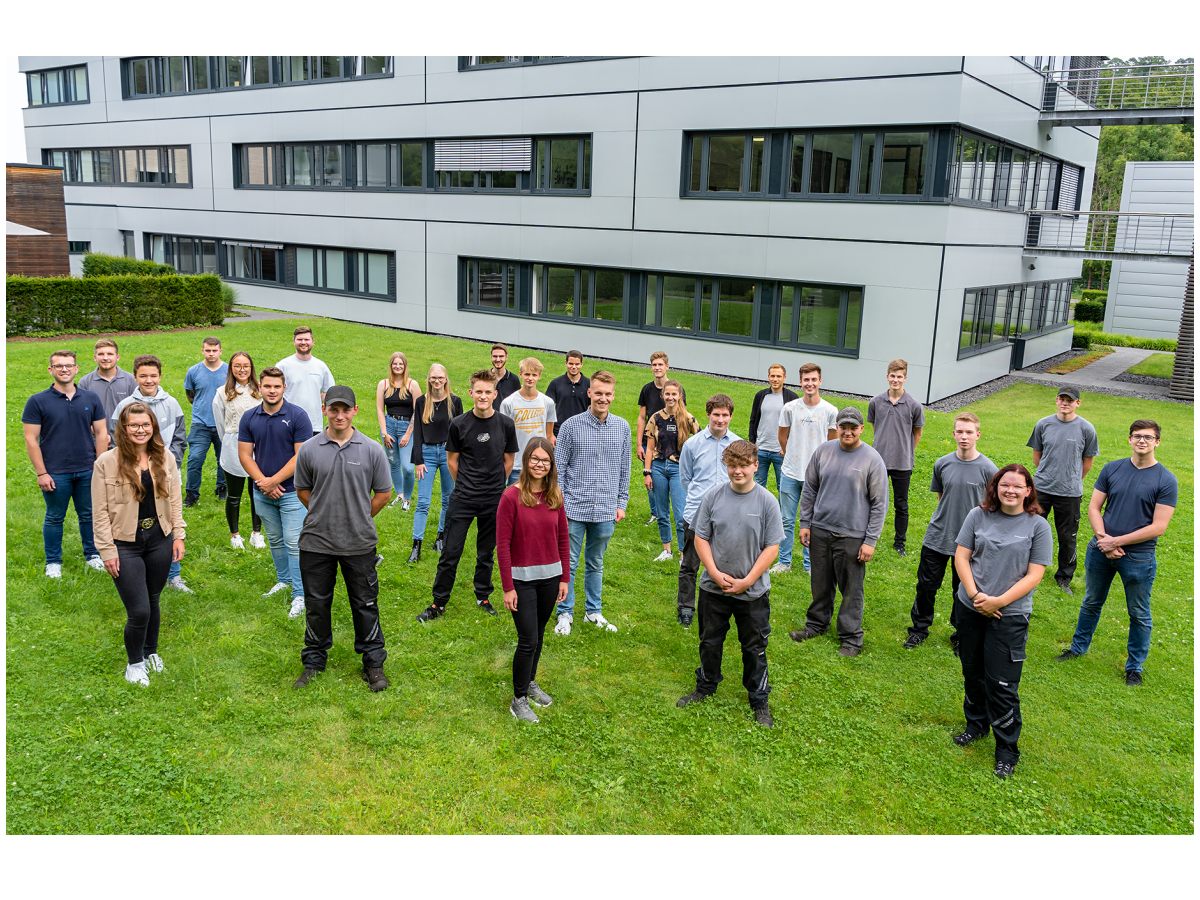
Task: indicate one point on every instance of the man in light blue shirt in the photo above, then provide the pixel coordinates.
(700, 470)
(201, 384)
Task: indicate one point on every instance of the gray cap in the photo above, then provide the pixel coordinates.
(850, 414)
(1071, 392)
(339, 393)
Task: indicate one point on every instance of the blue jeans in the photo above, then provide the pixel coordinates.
(789, 501)
(767, 460)
(198, 441)
(598, 535)
(435, 462)
(1137, 577)
(282, 520)
(399, 458)
(668, 496)
(68, 486)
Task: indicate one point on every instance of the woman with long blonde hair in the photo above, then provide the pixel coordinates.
(433, 412)
(137, 515)
(229, 405)
(394, 406)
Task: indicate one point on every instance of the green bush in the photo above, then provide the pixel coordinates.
(1125, 340)
(96, 264)
(228, 297)
(111, 303)
(1081, 340)
(1089, 311)
(1093, 294)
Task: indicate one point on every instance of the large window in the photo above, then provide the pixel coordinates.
(993, 315)
(162, 166)
(345, 271)
(158, 76)
(580, 293)
(727, 163)
(54, 87)
(495, 62)
(489, 284)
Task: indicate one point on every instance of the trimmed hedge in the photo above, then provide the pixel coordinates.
(1089, 311)
(1081, 340)
(1125, 340)
(112, 303)
(96, 264)
(1093, 294)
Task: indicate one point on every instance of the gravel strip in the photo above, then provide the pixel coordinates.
(1143, 379)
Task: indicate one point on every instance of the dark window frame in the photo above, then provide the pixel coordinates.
(217, 71)
(465, 64)
(72, 168)
(1049, 302)
(68, 84)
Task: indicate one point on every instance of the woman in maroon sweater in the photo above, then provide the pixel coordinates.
(534, 552)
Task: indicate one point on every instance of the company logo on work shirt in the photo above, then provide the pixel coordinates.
(484, 438)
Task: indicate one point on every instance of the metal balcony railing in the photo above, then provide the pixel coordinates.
(1110, 235)
(1163, 86)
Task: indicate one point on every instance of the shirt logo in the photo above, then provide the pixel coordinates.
(287, 424)
(484, 438)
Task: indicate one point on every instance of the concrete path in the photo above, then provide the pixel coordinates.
(1100, 375)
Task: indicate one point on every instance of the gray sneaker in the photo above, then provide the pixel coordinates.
(537, 696)
(520, 710)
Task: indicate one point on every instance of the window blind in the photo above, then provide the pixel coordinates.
(486, 155)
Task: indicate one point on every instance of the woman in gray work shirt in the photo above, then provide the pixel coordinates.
(1004, 546)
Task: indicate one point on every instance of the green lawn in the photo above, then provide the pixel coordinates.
(1160, 365)
(221, 743)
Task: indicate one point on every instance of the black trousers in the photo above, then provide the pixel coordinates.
(458, 520)
(835, 564)
(753, 620)
(145, 562)
(535, 603)
(318, 572)
(1066, 526)
(930, 572)
(992, 652)
(689, 565)
(234, 484)
(900, 479)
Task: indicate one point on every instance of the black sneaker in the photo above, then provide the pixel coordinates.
(762, 715)
(1004, 768)
(440, 544)
(954, 643)
(375, 679)
(915, 639)
(1067, 655)
(693, 697)
(968, 737)
(221, 492)
(1064, 585)
(1133, 679)
(685, 618)
(191, 499)
(486, 606)
(805, 635)
(849, 650)
(900, 551)
(431, 612)
(305, 677)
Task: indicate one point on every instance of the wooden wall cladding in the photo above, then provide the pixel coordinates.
(34, 198)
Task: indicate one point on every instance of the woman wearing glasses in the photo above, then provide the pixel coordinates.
(534, 552)
(137, 514)
(432, 413)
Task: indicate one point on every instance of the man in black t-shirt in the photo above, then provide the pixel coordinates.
(506, 382)
(650, 401)
(480, 449)
(569, 391)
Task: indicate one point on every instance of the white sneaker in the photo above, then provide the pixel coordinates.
(395, 501)
(95, 562)
(179, 584)
(136, 674)
(154, 663)
(405, 504)
(277, 587)
(563, 625)
(297, 609)
(665, 556)
(236, 542)
(256, 540)
(600, 622)
(54, 570)
(778, 569)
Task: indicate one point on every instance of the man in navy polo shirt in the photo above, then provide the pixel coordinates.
(201, 384)
(269, 437)
(65, 430)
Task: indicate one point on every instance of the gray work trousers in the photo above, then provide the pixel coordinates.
(835, 565)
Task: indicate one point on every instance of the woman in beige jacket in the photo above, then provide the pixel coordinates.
(137, 515)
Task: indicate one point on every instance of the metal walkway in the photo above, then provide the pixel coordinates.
(1120, 95)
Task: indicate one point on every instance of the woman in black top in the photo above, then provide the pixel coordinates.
(394, 400)
(431, 423)
(665, 434)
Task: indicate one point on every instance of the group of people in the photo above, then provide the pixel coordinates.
(545, 479)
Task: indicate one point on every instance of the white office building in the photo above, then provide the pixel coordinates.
(734, 212)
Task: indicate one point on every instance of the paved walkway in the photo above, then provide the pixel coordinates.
(1100, 375)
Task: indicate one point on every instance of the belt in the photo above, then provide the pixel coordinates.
(390, 416)
(147, 523)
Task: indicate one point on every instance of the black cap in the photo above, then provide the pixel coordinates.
(339, 393)
(1071, 392)
(850, 414)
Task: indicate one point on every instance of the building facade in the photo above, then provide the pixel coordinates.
(731, 211)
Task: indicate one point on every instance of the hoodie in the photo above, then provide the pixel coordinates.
(170, 419)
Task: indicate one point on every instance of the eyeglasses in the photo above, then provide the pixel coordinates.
(140, 427)
(64, 366)
(1143, 438)
(539, 462)
(437, 377)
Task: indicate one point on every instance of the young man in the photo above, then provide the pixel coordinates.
(738, 530)
(650, 401)
(959, 480)
(1131, 506)
(532, 412)
(201, 384)
(506, 382)
(804, 425)
(147, 371)
(65, 431)
(898, 420)
(307, 377)
(480, 448)
(841, 518)
(700, 469)
(108, 381)
(764, 423)
(569, 391)
(1064, 447)
(269, 438)
(343, 478)
(593, 459)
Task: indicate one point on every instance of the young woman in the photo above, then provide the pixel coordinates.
(394, 398)
(431, 425)
(534, 551)
(137, 514)
(665, 435)
(240, 394)
(1004, 547)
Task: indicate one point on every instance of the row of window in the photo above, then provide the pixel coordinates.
(54, 87)
(495, 62)
(937, 164)
(123, 165)
(993, 315)
(365, 273)
(537, 165)
(827, 318)
(160, 76)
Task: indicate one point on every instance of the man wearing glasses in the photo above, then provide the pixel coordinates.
(65, 430)
(1132, 504)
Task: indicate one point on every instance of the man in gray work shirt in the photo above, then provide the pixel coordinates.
(841, 517)
(344, 480)
(1064, 446)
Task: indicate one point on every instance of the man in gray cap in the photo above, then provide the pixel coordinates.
(343, 478)
(841, 517)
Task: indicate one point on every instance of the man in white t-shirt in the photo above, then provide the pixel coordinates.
(804, 425)
(306, 377)
(532, 411)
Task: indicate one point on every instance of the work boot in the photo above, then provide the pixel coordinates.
(415, 556)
